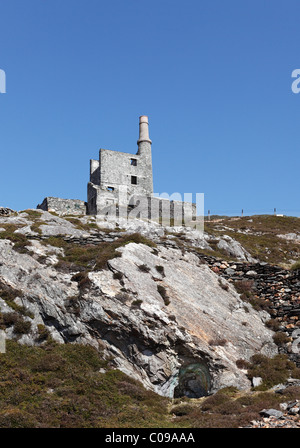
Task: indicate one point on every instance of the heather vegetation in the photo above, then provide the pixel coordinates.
(9, 294)
(71, 385)
(247, 294)
(272, 371)
(20, 241)
(91, 256)
(228, 408)
(259, 235)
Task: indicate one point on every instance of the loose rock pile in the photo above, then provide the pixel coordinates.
(278, 287)
(286, 421)
(288, 417)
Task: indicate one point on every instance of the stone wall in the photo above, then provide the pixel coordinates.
(279, 288)
(63, 206)
(117, 177)
(143, 207)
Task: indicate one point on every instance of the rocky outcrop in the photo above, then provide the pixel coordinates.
(5, 211)
(159, 313)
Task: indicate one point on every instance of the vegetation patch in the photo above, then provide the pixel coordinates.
(34, 214)
(15, 320)
(20, 241)
(9, 294)
(43, 333)
(35, 227)
(81, 225)
(82, 278)
(214, 252)
(295, 266)
(163, 292)
(273, 371)
(160, 270)
(223, 285)
(60, 386)
(245, 289)
(91, 256)
(273, 324)
(136, 303)
(144, 268)
(280, 338)
(228, 408)
(259, 235)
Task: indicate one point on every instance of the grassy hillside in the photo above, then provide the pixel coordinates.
(61, 385)
(70, 385)
(259, 236)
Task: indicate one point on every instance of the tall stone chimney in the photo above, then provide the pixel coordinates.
(144, 142)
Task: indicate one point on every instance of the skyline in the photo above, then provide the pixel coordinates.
(214, 79)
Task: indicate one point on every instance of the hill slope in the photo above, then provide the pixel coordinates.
(141, 295)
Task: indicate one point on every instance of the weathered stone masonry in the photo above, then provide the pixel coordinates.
(121, 184)
(63, 206)
(119, 176)
(125, 181)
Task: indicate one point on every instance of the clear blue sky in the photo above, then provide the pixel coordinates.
(213, 76)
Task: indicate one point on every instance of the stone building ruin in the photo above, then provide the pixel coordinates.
(118, 176)
(121, 185)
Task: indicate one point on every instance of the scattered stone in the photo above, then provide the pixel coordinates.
(230, 271)
(251, 273)
(271, 413)
(256, 381)
(288, 417)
